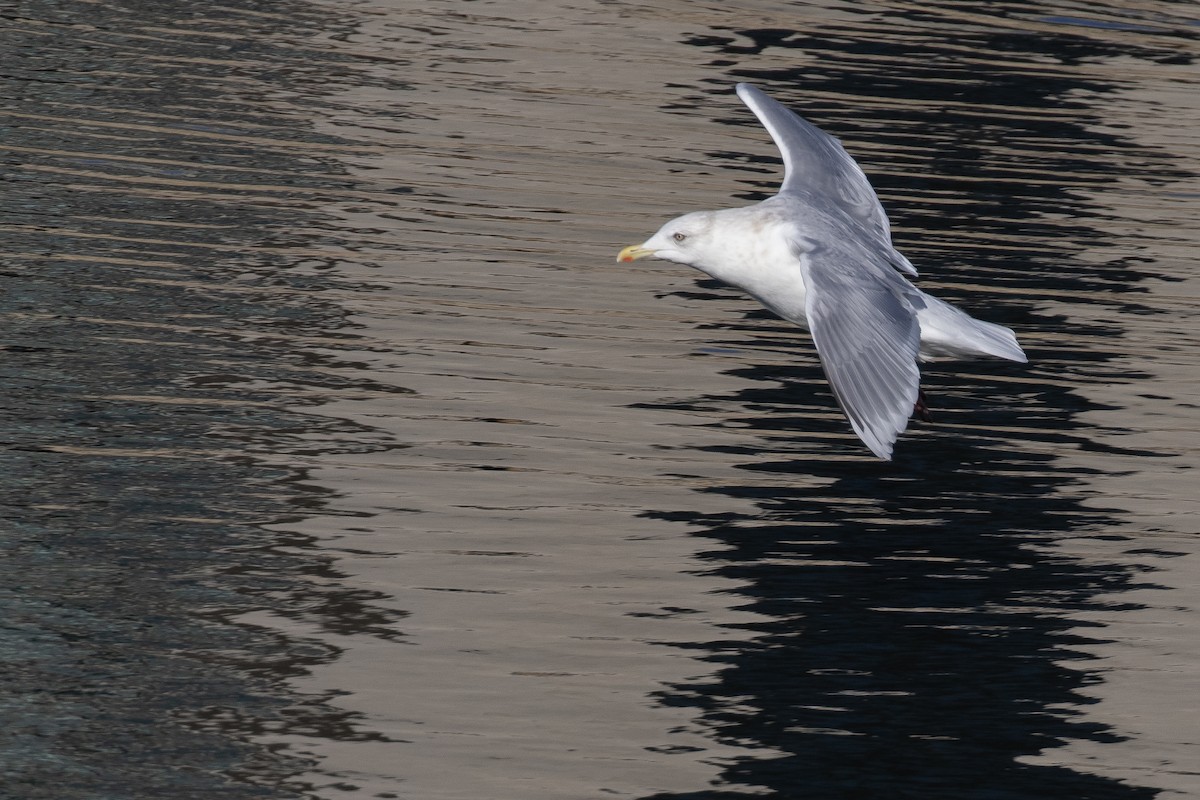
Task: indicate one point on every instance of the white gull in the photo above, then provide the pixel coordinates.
(819, 254)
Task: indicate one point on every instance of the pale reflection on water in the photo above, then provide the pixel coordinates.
(342, 462)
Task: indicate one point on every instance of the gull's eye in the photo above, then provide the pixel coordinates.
(679, 237)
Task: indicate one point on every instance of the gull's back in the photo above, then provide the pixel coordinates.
(818, 169)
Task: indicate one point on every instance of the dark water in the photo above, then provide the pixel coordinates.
(340, 460)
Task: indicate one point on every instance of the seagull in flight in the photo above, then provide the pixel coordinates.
(819, 254)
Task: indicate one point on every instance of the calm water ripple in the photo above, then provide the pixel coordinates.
(341, 461)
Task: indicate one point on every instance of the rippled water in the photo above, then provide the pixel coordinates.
(342, 461)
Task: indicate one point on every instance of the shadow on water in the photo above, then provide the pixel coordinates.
(920, 630)
(916, 642)
(160, 345)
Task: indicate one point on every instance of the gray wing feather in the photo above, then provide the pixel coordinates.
(867, 336)
(816, 163)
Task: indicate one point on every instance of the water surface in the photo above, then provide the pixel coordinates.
(342, 461)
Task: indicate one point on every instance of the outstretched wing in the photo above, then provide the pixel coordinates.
(816, 163)
(867, 337)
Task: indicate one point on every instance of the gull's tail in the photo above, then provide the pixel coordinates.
(948, 332)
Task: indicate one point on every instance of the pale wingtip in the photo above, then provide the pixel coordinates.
(746, 91)
(1013, 351)
(880, 447)
(883, 454)
(903, 264)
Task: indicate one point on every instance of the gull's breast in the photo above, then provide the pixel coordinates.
(767, 269)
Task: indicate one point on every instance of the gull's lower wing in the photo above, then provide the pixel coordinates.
(816, 163)
(867, 338)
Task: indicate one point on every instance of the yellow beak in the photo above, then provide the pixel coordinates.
(633, 253)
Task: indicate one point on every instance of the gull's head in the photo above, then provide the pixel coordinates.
(684, 240)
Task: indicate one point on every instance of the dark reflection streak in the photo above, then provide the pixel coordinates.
(917, 619)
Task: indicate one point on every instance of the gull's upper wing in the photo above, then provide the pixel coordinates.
(816, 163)
(867, 337)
